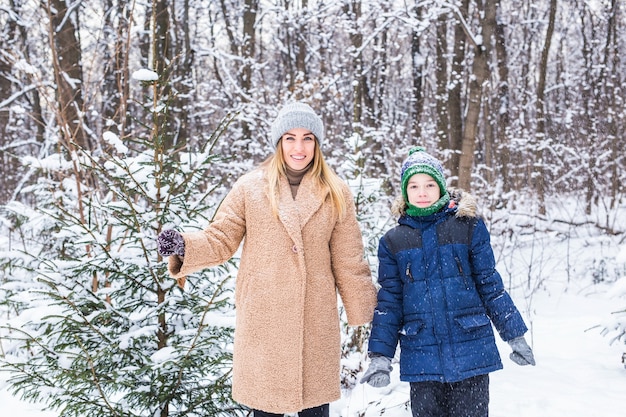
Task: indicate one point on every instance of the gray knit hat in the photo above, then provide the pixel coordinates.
(294, 115)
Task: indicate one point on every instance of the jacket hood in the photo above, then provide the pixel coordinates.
(461, 201)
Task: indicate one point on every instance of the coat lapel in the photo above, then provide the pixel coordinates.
(309, 199)
(295, 214)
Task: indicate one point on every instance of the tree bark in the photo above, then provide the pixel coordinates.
(115, 86)
(248, 47)
(417, 70)
(503, 155)
(352, 9)
(8, 162)
(540, 135)
(183, 80)
(613, 95)
(373, 82)
(442, 98)
(296, 43)
(455, 106)
(480, 73)
(248, 51)
(68, 73)
(301, 44)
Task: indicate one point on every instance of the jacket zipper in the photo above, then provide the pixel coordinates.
(460, 266)
(408, 272)
(458, 263)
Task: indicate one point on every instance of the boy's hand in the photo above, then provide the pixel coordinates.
(377, 375)
(522, 353)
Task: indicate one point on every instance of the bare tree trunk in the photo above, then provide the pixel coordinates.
(68, 72)
(296, 42)
(373, 79)
(485, 147)
(417, 69)
(540, 136)
(8, 162)
(455, 106)
(587, 121)
(301, 43)
(183, 78)
(353, 10)
(373, 87)
(480, 73)
(441, 48)
(115, 85)
(608, 88)
(162, 64)
(248, 51)
(228, 28)
(145, 43)
(248, 48)
(161, 40)
(503, 155)
(378, 84)
(522, 155)
(612, 63)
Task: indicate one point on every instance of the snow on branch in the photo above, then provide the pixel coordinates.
(476, 40)
(145, 75)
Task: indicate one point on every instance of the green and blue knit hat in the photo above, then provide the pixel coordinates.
(420, 162)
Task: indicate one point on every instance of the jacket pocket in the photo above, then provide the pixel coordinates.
(473, 321)
(416, 333)
(412, 328)
(471, 327)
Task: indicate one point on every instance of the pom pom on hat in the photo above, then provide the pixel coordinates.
(295, 115)
(420, 162)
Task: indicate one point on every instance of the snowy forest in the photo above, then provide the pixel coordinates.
(119, 119)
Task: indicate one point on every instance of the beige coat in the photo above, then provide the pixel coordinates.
(287, 333)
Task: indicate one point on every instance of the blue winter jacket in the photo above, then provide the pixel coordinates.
(439, 294)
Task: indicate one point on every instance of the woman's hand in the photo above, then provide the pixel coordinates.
(170, 242)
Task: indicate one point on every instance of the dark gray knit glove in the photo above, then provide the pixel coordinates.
(377, 375)
(170, 242)
(522, 353)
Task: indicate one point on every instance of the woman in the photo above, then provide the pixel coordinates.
(302, 244)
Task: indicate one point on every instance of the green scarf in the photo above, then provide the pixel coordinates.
(427, 211)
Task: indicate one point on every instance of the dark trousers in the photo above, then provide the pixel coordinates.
(467, 398)
(320, 411)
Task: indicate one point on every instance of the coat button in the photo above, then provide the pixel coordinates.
(294, 249)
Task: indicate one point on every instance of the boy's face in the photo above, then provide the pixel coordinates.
(422, 190)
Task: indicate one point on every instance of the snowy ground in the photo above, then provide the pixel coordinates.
(578, 374)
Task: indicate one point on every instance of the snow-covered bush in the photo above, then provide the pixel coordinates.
(371, 201)
(615, 328)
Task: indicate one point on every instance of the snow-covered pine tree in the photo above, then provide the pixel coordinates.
(370, 200)
(95, 325)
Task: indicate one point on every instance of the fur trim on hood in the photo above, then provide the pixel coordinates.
(464, 201)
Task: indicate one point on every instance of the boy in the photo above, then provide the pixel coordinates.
(439, 294)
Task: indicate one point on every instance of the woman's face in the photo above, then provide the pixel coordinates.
(422, 190)
(298, 146)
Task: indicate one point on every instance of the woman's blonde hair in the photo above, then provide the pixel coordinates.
(275, 168)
